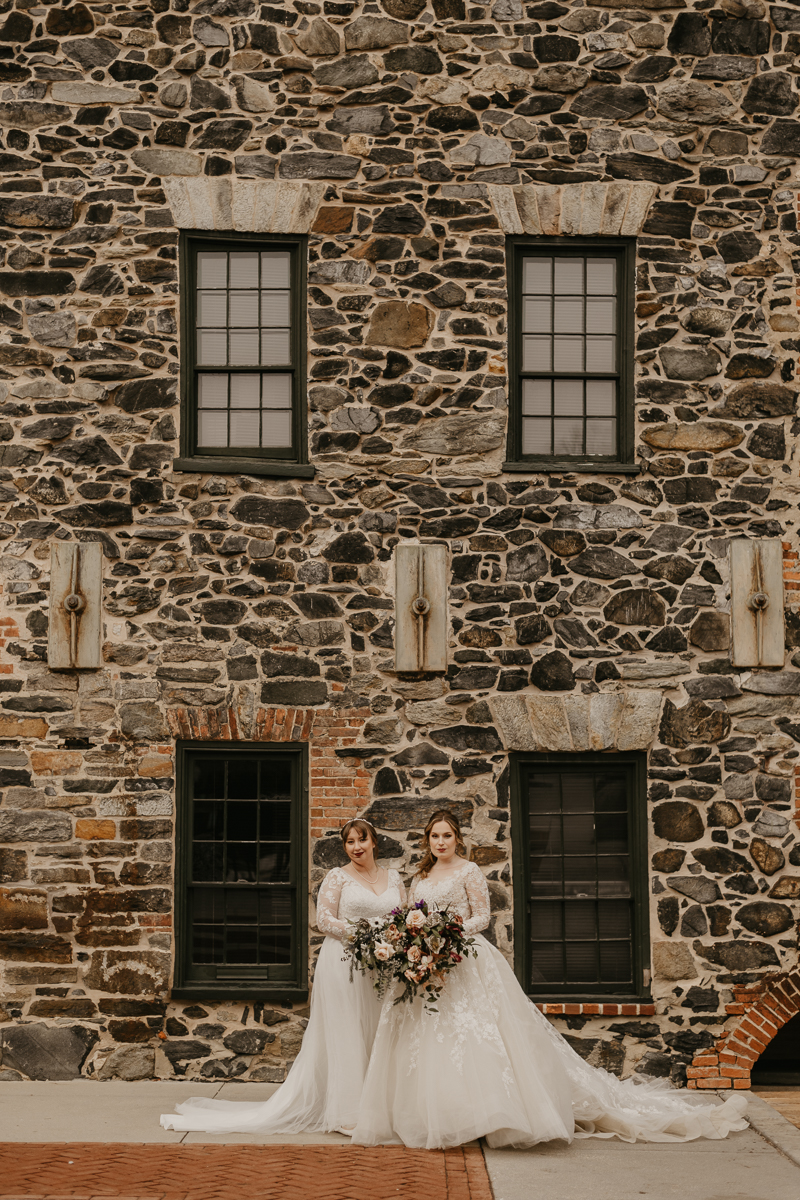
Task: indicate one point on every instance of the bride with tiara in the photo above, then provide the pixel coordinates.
(485, 1064)
(323, 1089)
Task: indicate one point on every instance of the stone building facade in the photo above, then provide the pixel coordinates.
(403, 152)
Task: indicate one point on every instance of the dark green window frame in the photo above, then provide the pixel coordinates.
(289, 461)
(280, 980)
(622, 461)
(633, 766)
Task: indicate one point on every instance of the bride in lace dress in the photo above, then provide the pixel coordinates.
(488, 1064)
(323, 1089)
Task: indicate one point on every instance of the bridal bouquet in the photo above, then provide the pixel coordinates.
(414, 946)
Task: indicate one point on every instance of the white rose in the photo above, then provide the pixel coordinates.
(384, 951)
(415, 919)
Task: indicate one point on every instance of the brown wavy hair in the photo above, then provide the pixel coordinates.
(429, 858)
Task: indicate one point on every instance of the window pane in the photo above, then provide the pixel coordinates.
(536, 436)
(601, 353)
(245, 390)
(242, 820)
(212, 269)
(276, 781)
(568, 397)
(275, 347)
(207, 944)
(611, 795)
(567, 437)
(244, 347)
(212, 348)
(614, 918)
(241, 906)
(546, 878)
(211, 308)
(275, 906)
(601, 437)
(208, 779)
(615, 962)
(212, 428)
(241, 864)
(276, 428)
(276, 821)
(568, 316)
(537, 316)
(537, 275)
(580, 919)
(275, 308)
(244, 428)
(244, 269)
(545, 834)
(244, 308)
(275, 946)
(568, 276)
(241, 945)
(601, 397)
(543, 793)
(578, 792)
(601, 315)
(209, 820)
(212, 391)
(548, 962)
(537, 354)
(276, 391)
(567, 353)
(273, 862)
(582, 964)
(275, 269)
(536, 397)
(547, 919)
(207, 862)
(601, 276)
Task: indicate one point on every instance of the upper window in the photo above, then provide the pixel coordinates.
(571, 358)
(243, 365)
(581, 874)
(240, 889)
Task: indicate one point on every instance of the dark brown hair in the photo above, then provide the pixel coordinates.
(429, 858)
(363, 827)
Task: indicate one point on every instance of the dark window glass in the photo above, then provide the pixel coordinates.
(570, 348)
(243, 864)
(243, 351)
(583, 919)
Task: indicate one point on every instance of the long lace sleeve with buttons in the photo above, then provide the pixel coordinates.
(478, 895)
(328, 905)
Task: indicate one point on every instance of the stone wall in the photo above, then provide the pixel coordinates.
(408, 140)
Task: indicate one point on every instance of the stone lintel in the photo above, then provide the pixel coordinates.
(625, 720)
(617, 209)
(243, 205)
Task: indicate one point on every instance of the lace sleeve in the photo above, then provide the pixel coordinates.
(478, 895)
(328, 905)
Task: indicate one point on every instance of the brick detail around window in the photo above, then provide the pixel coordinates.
(763, 1009)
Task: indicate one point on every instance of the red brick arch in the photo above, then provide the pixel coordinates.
(763, 1009)
(338, 786)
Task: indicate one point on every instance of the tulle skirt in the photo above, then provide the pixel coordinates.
(323, 1088)
(488, 1064)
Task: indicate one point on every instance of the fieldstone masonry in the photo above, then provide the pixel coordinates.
(587, 611)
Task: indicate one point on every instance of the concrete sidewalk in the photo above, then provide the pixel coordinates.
(762, 1163)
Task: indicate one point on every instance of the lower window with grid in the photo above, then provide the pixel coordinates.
(240, 886)
(581, 875)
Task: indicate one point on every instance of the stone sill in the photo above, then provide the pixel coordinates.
(597, 1008)
(570, 466)
(208, 465)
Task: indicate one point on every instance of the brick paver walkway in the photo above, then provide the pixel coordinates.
(100, 1171)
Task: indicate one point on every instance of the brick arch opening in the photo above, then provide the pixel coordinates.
(763, 1009)
(338, 784)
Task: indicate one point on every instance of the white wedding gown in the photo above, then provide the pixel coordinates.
(323, 1088)
(489, 1064)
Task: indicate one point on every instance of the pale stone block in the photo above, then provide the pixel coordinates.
(168, 162)
(615, 204)
(528, 210)
(638, 722)
(505, 209)
(605, 710)
(549, 723)
(91, 93)
(640, 198)
(571, 208)
(594, 199)
(549, 201)
(673, 960)
(428, 712)
(513, 721)
(577, 712)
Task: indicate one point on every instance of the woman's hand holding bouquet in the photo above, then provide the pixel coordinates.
(415, 946)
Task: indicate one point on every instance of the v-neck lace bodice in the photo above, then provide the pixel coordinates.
(342, 898)
(464, 892)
